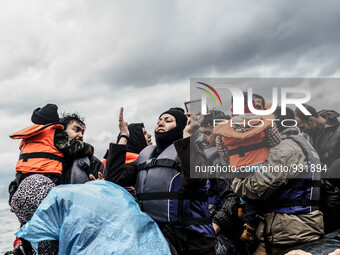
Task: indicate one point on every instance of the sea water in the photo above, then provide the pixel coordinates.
(9, 224)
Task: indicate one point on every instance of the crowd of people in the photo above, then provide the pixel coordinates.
(261, 212)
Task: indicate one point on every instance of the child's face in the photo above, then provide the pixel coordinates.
(75, 130)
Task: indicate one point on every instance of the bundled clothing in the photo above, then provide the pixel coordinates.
(229, 139)
(38, 151)
(292, 215)
(247, 146)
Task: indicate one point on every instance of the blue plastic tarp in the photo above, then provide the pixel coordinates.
(97, 217)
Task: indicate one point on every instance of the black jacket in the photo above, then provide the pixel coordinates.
(327, 141)
(96, 166)
(327, 144)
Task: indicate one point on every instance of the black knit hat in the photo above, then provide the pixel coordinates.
(45, 115)
(178, 113)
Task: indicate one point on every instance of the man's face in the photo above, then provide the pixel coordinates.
(309, 127)
(258, 103)
(208, 138)
(75, 130)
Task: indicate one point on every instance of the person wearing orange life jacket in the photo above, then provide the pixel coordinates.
(42, 149)
(245, 144)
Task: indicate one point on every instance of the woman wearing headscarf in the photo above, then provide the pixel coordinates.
(133, 140)
(164, 189)
(137, 140)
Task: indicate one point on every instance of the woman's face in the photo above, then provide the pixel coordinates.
(165, 123)
(147, 137)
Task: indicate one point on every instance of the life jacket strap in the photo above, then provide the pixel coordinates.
(180, 196)
(153, 162)
(173, 195)
(187, 221)
(303, 184)
(301, 202)
(242, 150)
(26, 156)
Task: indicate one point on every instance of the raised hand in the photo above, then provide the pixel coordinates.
(123, 127)
(192, 125)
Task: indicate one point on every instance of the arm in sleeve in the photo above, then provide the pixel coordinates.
(96, 165)
(72, 147)
(184, 157)
(226, 217)
(116, 170)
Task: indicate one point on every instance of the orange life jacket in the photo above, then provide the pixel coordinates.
(129, 158)
(246, 148)
(37, 151)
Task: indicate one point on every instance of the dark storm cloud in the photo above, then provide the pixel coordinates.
(127, 44)
(284, 38)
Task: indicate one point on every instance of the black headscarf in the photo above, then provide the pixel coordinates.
(136, 142)
(164, 139)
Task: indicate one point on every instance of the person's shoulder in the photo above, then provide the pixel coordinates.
(94, 159)
(286, 147)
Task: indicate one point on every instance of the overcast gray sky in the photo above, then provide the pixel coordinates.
(95, 56)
